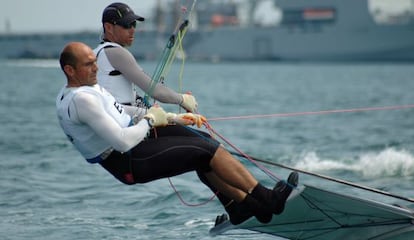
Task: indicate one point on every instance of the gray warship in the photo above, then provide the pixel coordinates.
(295, 30)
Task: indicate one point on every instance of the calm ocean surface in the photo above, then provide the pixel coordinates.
(47, 191)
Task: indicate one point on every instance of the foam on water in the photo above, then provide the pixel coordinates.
(390, 162)
(387, 163)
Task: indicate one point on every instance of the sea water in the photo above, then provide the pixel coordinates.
(47, 191)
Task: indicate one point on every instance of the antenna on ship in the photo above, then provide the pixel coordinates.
(7, 26)
(412, 7)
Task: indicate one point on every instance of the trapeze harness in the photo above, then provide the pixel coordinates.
(112, 79)
(93, 147)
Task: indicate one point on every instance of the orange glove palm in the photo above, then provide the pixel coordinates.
(187, 119)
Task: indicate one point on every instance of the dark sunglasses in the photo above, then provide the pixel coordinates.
(127, 26)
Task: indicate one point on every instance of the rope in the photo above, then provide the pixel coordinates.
(180, 197)
(255, 161)
(182, 200)
(242, 154)
(294, 114)
(330, 178)
(169, 53)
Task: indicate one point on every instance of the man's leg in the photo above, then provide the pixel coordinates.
(233, 173)
(242, 208)
(230, 171)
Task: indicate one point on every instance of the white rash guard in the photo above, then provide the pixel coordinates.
(94, 121)
(118, 71)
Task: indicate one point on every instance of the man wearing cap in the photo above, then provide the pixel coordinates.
(118, 69)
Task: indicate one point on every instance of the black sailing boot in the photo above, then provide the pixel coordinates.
(257, 209)
(237, 212)
(274, 200)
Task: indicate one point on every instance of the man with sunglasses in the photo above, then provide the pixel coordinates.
(118, 69)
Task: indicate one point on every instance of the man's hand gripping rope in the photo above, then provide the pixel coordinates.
(189, 102)
(157, 117)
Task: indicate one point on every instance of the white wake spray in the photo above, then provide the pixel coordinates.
(387, 163)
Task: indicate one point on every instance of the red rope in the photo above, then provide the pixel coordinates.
(245, 155)
(184, 201)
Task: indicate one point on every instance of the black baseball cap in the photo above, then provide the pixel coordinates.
(120, 13)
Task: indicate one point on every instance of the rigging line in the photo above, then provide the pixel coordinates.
(242, 154)
(293, 114)
(181, 74)
(169, 53)
(312, 204)
(327, 178)
(373, 223)
(212, 131)
(185, 202)
(181, 30)
(316, 233)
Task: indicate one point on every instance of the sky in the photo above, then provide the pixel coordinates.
(60, 15)
(40, 16)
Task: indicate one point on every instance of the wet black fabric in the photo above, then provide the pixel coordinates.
(167, 152)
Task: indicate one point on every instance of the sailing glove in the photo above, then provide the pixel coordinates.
(186, 119)
(156, 117)
(189, 102)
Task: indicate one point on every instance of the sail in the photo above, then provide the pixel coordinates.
(315, 214)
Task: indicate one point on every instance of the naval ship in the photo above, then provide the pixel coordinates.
(291, 30)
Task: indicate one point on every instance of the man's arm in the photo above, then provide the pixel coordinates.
(123, 61)
(90, 111)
